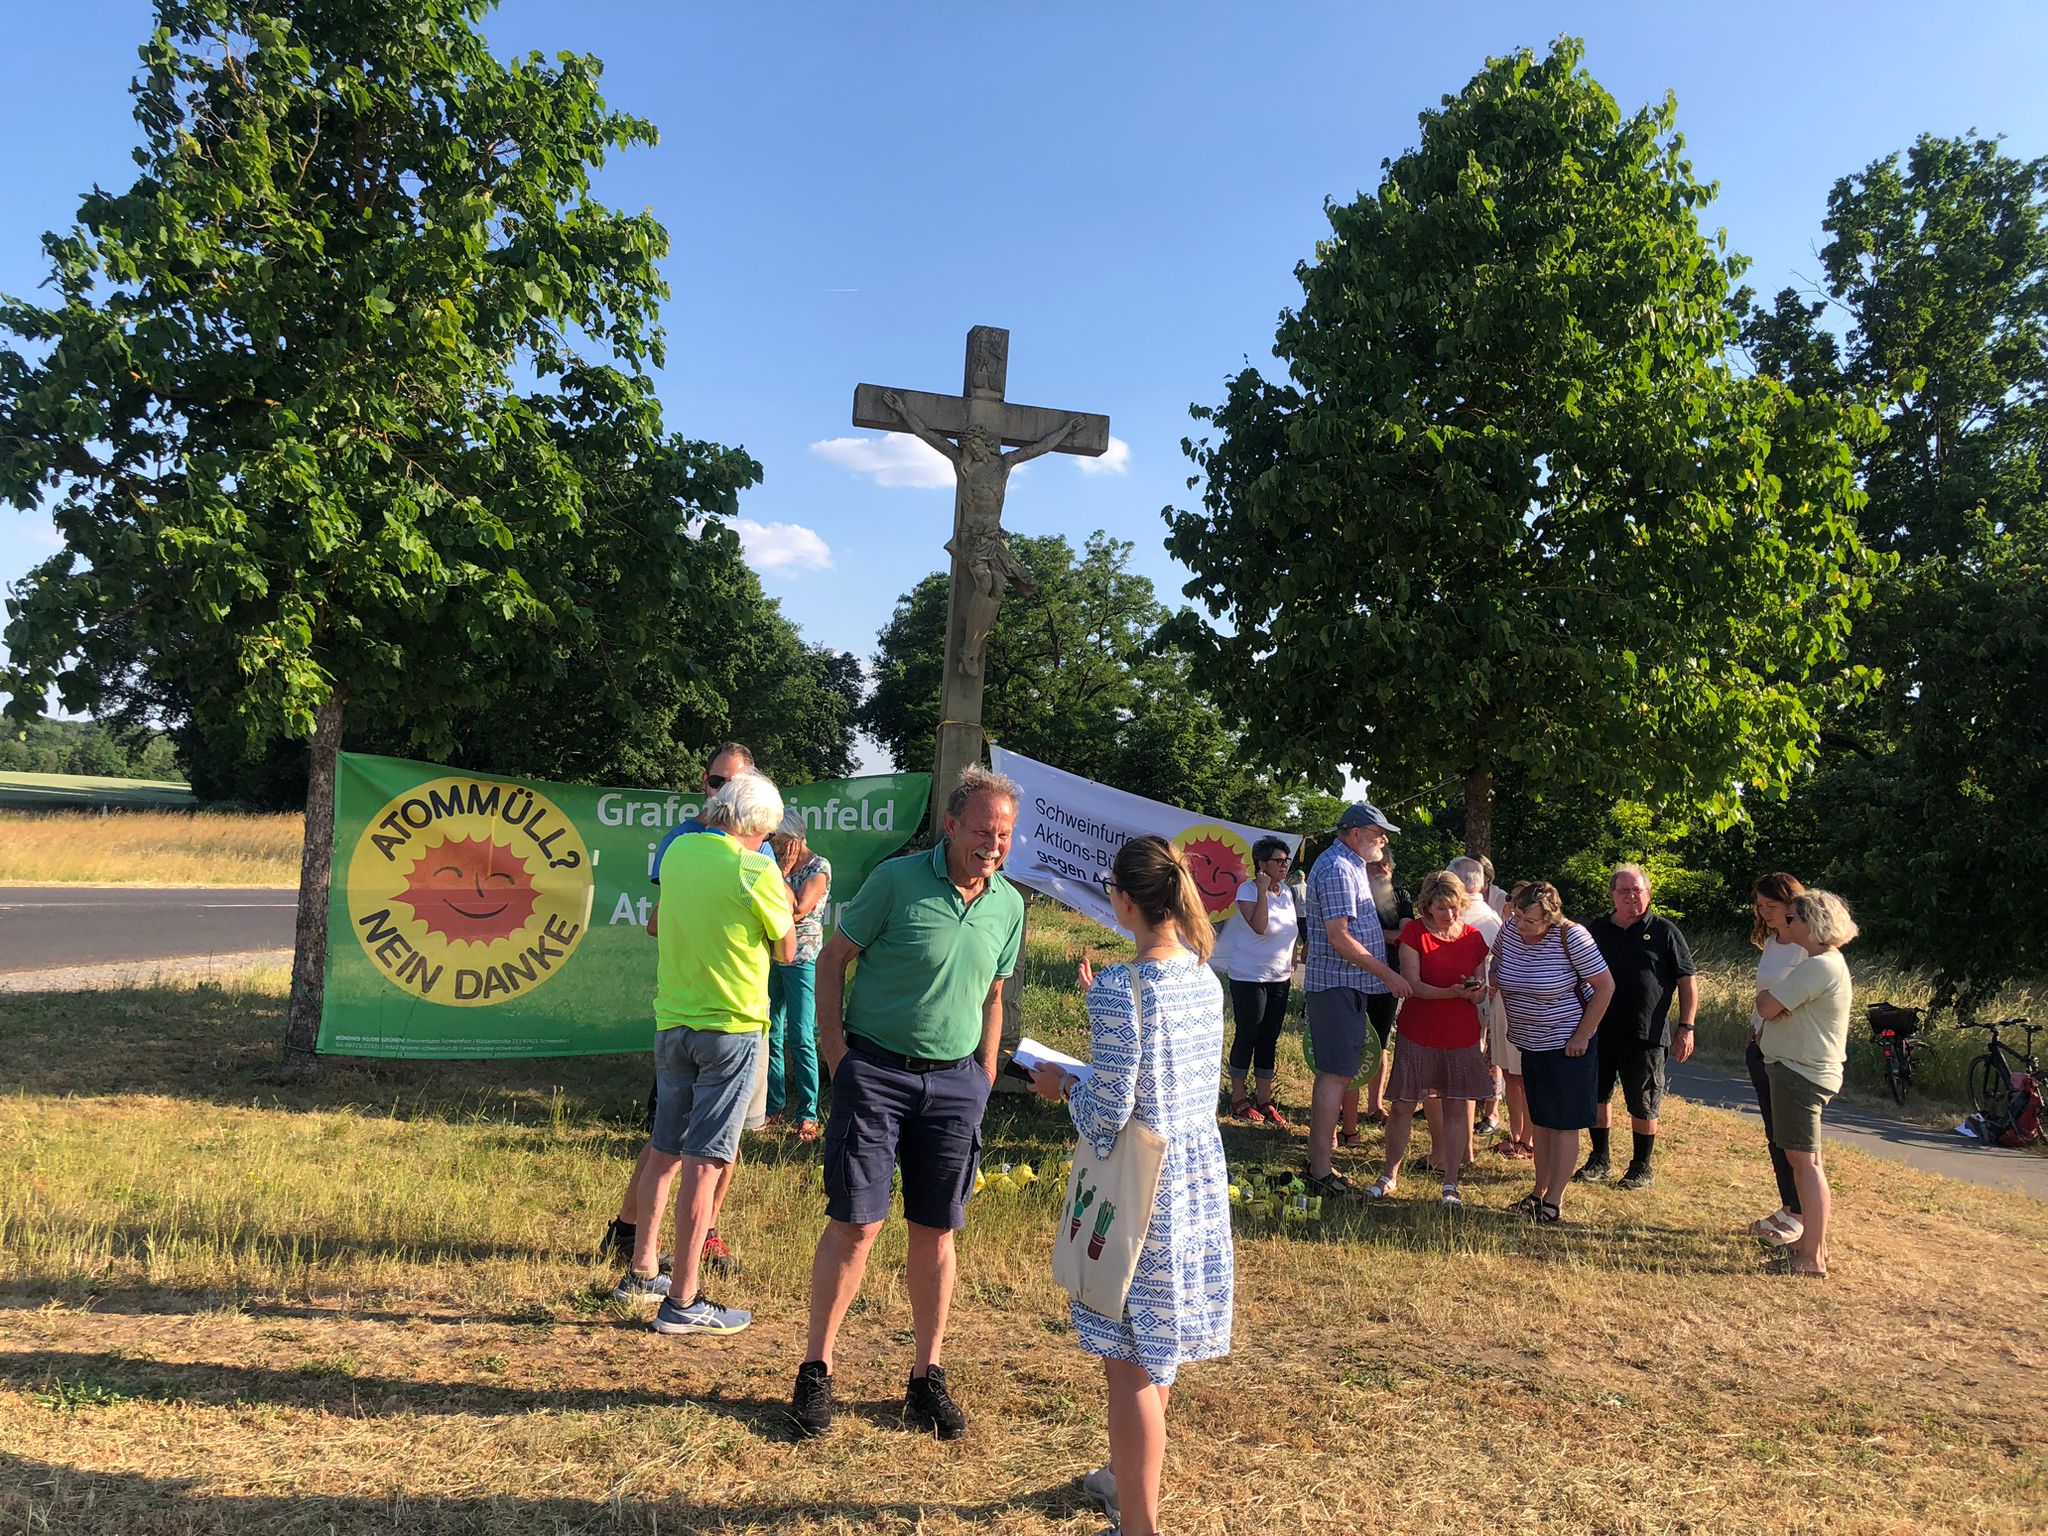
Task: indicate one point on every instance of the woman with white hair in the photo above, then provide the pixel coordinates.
(792, 991)
(1805, 1042)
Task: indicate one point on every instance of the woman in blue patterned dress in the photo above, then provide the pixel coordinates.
(1161, 1073)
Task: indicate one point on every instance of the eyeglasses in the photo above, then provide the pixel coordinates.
(715, 781)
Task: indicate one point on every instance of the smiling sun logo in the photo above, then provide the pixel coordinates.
(469, 892)
(1220, 861)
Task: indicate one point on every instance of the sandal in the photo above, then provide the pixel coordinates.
(1350, 1141)
(1380, 1187)
(1241, 1109)
(1526, 1206)
(1270, 1113)
(807, 1130)
(1374, 1117)
(1333, 1186)
(1547, 1214)
(1776, 1231)
(1450, 1198)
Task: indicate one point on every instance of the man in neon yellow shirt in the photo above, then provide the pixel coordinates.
(724, 914)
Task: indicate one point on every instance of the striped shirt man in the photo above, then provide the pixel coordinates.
(1540, 983)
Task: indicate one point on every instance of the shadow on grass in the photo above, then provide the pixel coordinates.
(157, 1301)
(218, 1047)
(62, 1377)
(144, 1241)
(50, 1496)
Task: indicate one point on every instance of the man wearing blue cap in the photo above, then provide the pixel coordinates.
(1347, 963)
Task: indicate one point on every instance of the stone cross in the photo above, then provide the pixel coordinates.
(971, 430)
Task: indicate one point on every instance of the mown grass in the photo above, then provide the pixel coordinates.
(149, 848)
(369, 1303)
(57, 791)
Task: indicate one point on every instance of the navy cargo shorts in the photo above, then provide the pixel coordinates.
(884, 1116)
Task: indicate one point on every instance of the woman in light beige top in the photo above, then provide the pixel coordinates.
(1805, 1041)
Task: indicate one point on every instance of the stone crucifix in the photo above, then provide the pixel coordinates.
(971, 429)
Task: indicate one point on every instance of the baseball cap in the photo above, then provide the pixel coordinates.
(1363, 813)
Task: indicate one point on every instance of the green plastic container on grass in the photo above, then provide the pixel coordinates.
(1368, 1062)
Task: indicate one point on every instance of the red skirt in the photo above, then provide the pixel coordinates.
(1421, 1071)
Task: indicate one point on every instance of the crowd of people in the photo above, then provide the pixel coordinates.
(1459, 1004)
(1493, 999)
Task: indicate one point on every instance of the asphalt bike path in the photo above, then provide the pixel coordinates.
(46, 927)
(1844, 1124)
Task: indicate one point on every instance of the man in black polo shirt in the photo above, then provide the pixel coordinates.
(1651, 962)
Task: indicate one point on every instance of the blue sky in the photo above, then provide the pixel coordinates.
(1126, 187)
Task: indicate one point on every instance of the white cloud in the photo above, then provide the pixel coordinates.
(781, 548)
(894, 459)
(1117, 461)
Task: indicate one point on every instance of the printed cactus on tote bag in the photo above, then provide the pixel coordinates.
(1083, 1198)
(1103, 1218)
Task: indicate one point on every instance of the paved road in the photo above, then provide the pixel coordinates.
(47, 926)
(1850, 1125)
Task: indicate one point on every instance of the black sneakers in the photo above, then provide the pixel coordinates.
(810, 1406)
(618, 1240)
(1638, 1176)
(1596, 1171)
(930, 1407)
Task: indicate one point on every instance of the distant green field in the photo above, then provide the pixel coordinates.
(73, 791)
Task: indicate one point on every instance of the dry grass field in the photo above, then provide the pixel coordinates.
(149, 848)
(369, 1304)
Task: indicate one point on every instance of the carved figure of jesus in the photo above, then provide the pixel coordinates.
(981, 471)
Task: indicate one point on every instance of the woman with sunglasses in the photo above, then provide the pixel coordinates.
(1257, 948)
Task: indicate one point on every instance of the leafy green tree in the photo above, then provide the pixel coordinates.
(1932, 798)
(83, 747)
(1075, 679)
(1511, 508)
(1941, 263)
(350, 382)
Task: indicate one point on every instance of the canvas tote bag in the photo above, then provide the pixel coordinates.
(1108, 1208)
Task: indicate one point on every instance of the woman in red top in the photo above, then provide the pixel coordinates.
(1436, 1047)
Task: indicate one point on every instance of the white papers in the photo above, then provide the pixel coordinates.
(1032, 1054)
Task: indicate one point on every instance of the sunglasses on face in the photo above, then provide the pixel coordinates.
(715, 781)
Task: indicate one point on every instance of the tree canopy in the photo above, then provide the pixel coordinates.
(1936, 273)
(350, 386)
(1510, 507)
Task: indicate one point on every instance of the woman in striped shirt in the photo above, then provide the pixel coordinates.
(1554, 987)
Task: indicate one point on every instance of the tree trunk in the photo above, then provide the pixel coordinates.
(316, 859)
(1479, 813)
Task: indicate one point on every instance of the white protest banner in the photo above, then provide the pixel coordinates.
(1070, 828)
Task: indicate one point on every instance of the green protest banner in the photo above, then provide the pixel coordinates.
(477, 916)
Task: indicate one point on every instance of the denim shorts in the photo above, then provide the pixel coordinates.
(884, 1116)
(1336, 1028)
(702, 1081)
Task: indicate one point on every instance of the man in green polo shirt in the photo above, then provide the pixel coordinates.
(913, 1055)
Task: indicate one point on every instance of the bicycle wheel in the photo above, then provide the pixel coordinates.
(1897, 1069)
(1991, 1093)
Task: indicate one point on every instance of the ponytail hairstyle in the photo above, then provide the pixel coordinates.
(1155, 875)
(1779, 887)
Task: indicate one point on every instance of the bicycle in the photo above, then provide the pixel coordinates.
(2005, 1086)
(1896, 1031)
